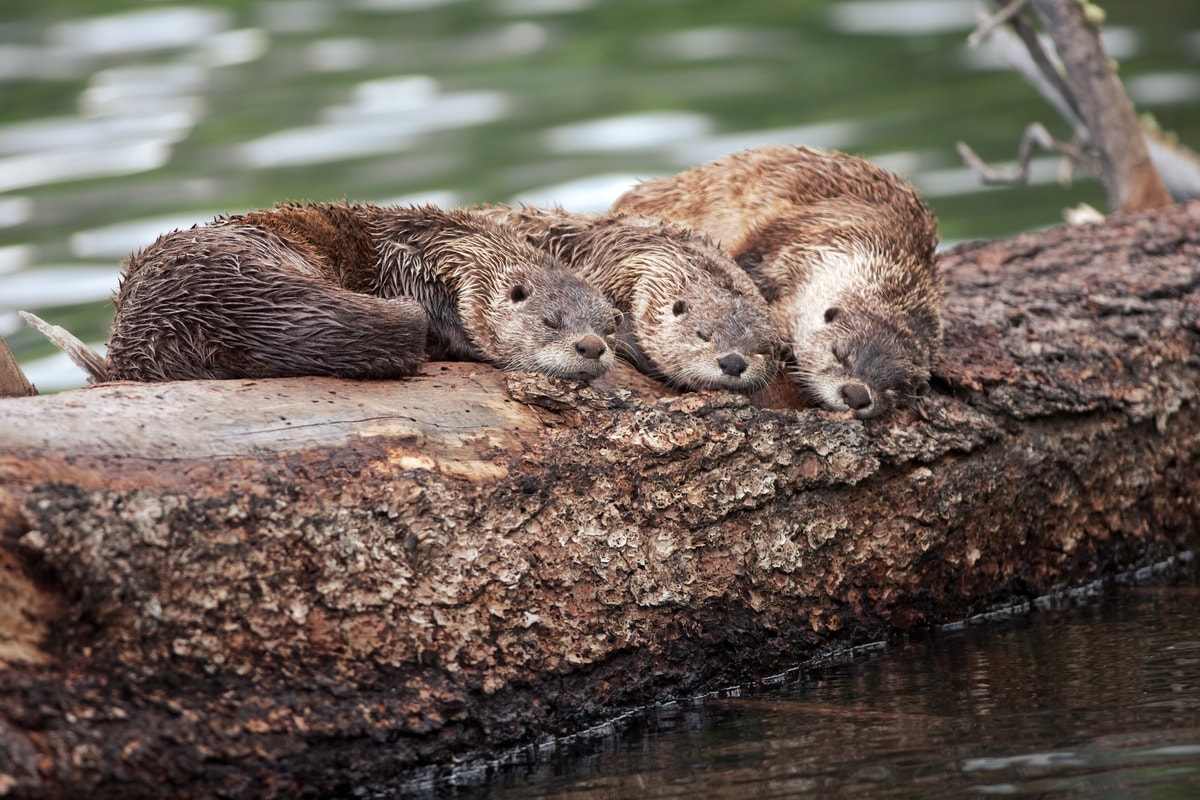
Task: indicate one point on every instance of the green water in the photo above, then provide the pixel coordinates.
(119, 125)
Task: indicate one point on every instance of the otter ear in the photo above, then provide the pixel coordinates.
(751, 261)
(921, 388)
(614, 324)
(680, 308)
(518, 293)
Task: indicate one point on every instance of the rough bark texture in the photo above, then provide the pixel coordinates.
(295, 587)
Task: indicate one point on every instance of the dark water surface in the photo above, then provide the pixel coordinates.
(1097, 699)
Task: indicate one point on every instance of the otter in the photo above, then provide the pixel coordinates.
(843, 252)
(691, 317)
(352, 291)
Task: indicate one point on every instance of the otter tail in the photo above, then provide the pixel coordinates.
(84, 357)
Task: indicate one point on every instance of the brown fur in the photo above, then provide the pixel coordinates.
(692, 317)
(353, 291)
(842, 250)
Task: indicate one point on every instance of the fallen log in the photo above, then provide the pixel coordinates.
(297, 587)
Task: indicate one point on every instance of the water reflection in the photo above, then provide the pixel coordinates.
(1098, 701)
(137, 31)
(904, 17)
(628, 132)
(75, 284)
(106, 160)
(707, 44)
(592, 194)
(1164, 88)
(382, 117)
(119, 240)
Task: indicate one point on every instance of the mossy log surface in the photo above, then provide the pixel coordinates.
(296, 587)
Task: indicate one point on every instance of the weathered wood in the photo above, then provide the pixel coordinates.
(294, 587)
(13, 382)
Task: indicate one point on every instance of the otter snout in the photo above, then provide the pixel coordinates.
(732, 364)
(590, 346)
(856, 395)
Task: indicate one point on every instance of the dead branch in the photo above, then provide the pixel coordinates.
(1089, 96)
(1035, 135)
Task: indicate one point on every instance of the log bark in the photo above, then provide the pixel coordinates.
(298, 587)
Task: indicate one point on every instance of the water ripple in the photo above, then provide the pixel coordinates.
(107, 159)
(121, 239)
(375, 123)
(139, 31)
(903, 17)
(628, 131)
(57, 285)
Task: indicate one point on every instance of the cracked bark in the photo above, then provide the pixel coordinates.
(295, 587)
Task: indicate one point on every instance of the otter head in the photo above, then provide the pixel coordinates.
(858, 354)
(699, 334)
(546, 319)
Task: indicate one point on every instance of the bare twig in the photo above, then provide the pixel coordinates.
(1035, 135)
(990, 24)
(1178, 165)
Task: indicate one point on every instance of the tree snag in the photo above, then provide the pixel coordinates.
(1089, 96)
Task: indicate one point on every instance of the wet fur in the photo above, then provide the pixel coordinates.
(349, 290)
(843, 252)
(692, 317)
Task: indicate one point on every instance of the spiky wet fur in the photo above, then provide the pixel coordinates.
(350, 290)
(686, 305)
(820, 231)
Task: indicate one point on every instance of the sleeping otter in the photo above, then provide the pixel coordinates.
(354, 291)
(692, 318)
(843, 252)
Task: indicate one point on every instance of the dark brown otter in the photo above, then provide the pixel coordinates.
(842, 250)
(348, 290)
(692, 317)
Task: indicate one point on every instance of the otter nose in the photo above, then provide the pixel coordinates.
(590, 346)
(732, 364)
(856, 395)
